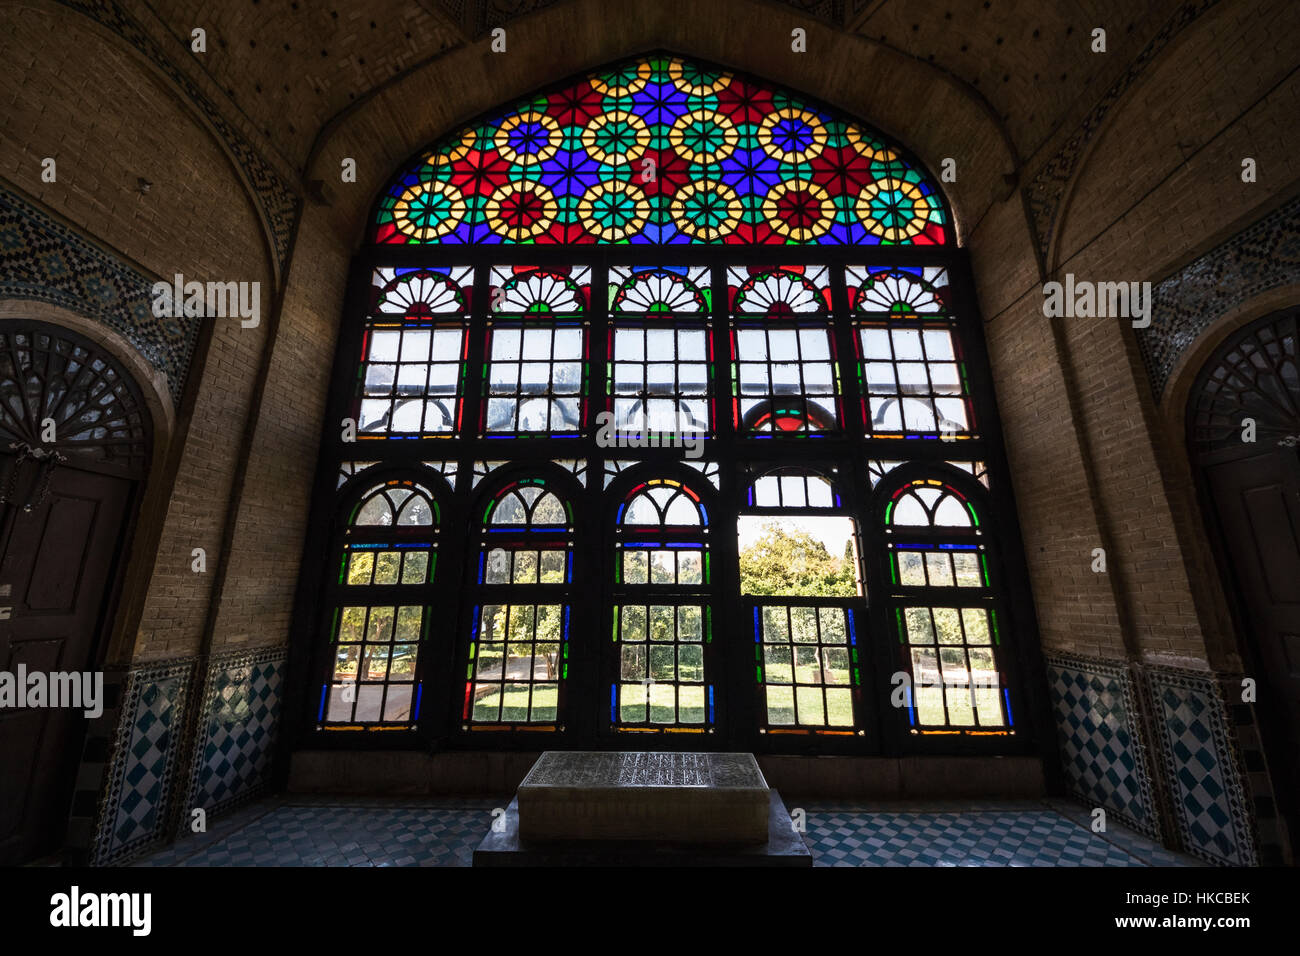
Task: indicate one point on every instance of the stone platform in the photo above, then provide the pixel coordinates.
(684, 797)
(784, 847)
(644, 809)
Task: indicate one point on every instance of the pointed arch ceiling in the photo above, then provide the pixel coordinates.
(663, 150)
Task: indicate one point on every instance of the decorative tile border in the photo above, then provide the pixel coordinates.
(97, 755)
(1262, 256)
(277, 200)
(1200, 761)
(43, 260)
(1048, 185)
(238, 724)
(133, 813)
(1101, 744)
(1269, 825)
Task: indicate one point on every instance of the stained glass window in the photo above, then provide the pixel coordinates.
(660, 350)
(379, 623)
(519, 649)
(805, 656)
(663, 614)
(580, 420)
(945, 610)
(413, 353)
(661, 150)
(536, 373)
(784, 374)
(913, 372)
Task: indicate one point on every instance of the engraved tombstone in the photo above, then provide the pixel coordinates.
(681, 797)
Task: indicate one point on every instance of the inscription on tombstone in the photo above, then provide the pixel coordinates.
(681, 797)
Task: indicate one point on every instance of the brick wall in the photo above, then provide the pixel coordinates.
(108, 123)
(272, 511)
(1140, 205)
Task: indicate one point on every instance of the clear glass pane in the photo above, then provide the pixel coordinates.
(688, 623)
(939, 569)
(388, 566)
(911, 569)
(780, 705)
(635, 567)
(360, 566)
(967, 564)
(811, 706)
(352, 624)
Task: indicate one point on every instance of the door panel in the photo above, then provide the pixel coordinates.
(57, 561)
(1257, 501)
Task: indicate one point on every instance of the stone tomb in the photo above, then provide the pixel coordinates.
(644, 809)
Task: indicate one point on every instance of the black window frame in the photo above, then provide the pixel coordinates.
(741, 458)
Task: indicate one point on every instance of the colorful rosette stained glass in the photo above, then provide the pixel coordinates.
(663, 151)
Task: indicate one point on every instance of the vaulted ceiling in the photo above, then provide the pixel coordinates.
(291, 65)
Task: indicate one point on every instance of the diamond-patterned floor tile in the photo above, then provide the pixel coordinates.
(335, 832)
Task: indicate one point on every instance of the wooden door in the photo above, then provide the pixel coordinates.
(55, 564)
(74, 444)
(1244, 435)
(1257, 503)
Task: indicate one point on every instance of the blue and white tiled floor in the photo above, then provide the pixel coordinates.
(324, 831)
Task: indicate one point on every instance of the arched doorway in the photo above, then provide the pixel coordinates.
(75, 441)
(1243, 422)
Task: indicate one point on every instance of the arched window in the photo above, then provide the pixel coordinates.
(519, 653)
(663, 611)
(944, 607)
(783, 350)
(800, 574)
(667, 333)
(413, 352)
(660, 350)
(662, 151)
(913, 378)
(380, 619)
(536, 351)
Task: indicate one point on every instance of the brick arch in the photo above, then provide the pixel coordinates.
(1134, 152)
(153, 503)
(1169, 439)
(1182, 379)
(900, 97)
(152, 383)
